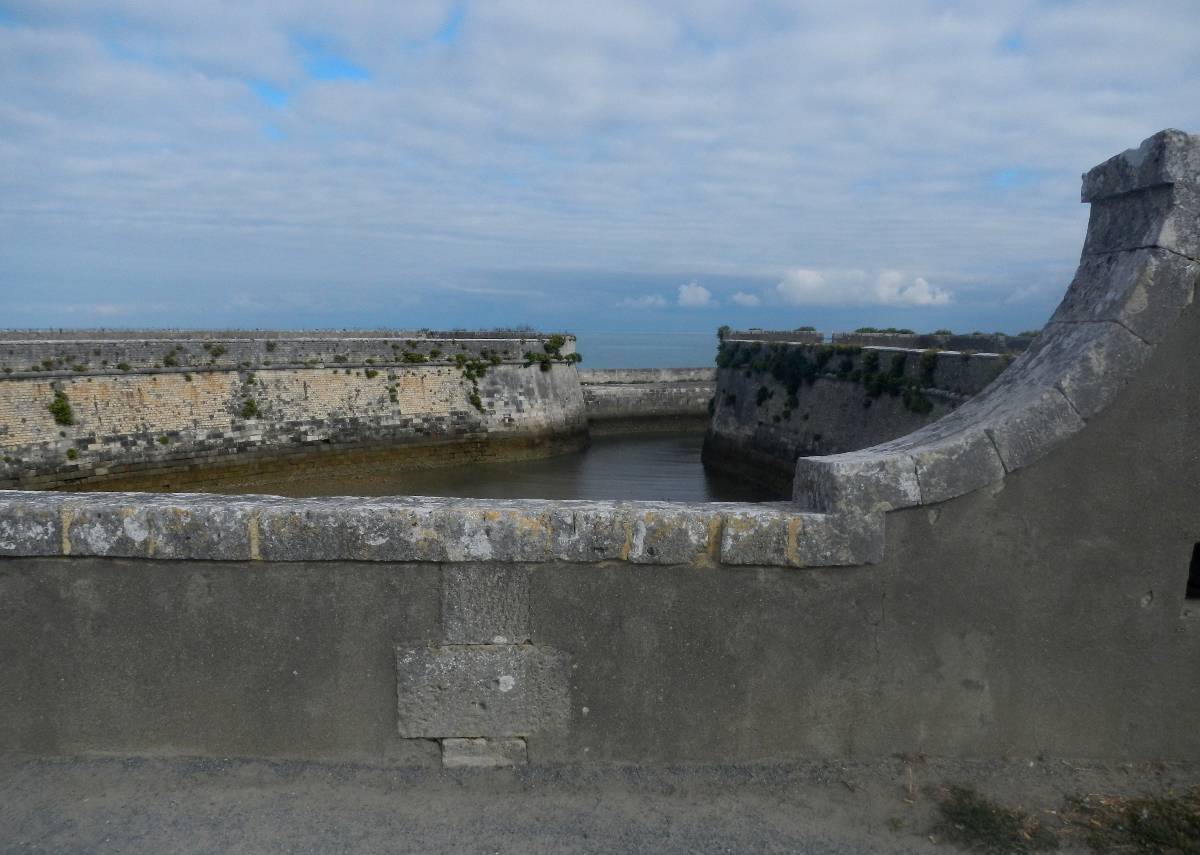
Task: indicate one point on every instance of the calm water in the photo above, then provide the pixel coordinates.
(638, 467)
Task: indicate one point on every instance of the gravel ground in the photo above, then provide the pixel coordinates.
(157, 805)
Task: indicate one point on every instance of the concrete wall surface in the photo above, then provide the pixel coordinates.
(1014, 579)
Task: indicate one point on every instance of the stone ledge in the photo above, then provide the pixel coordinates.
(202, 527)
(1168, 157)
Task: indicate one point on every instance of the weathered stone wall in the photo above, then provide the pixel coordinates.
(86, 353)
(776, 402)
(622, 400)
(1016, 579)
(974, 342)
(360, 392)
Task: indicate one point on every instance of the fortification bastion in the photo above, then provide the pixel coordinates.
(1013, 579)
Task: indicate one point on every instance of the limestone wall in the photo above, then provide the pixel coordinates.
(154, 419)
(776, 402)
(623, 400)
(86, 353)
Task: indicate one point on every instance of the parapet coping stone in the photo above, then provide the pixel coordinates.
(209, 527)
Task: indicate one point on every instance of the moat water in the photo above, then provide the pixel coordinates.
(643, 467)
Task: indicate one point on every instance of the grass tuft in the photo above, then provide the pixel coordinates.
(977, 824)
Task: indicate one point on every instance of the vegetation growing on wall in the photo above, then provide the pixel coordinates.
(795, 367)
(552, 352)
(60, 408)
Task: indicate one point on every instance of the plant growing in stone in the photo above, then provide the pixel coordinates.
(60, 408)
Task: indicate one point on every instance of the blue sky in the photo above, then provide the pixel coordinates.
(590, 166)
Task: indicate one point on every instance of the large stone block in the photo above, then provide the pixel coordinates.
(869, 481)
(1168, 157)
(1167, 217)
(956, 465)
(1023, 435)
(768, 537)
(30, 524)
(481, 690)
(1143, 290)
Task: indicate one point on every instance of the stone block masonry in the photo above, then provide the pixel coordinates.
(183, 403)
(623, 400)
(775, 402)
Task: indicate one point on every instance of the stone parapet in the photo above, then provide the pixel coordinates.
(423, 529)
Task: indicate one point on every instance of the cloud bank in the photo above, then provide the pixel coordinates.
(311, 163)
(801, 287)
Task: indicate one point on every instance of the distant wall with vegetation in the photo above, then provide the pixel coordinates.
(78, 411)
(775, 402)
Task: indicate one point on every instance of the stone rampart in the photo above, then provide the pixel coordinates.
(974, 342)
(88, 353)
(777, 402)
(623, 400)
(148, 407)
(1016, 579)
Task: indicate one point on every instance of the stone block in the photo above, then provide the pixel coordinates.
(590, 531)
(1025, 434)
(481, 690)
(484, 753)
(1168, 157)
(1143, 290)
(485, 605)
(955, 465)
(1097, 360)
(30, 524)
(670, 534)
(784, 537)
(869, 481)
(1167, 217)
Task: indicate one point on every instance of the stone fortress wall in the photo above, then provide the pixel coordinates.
(1015, 579)
(776, 401)
(147, 405)
(623, 400)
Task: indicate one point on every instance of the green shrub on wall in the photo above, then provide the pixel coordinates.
(796, 367)
(60, 408)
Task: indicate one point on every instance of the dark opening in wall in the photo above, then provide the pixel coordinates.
(1193, 583)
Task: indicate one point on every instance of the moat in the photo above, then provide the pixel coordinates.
(634, 467)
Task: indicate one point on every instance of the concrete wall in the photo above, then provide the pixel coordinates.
(760, 428)
(329, 394)
(626, 400)
(1010, 580)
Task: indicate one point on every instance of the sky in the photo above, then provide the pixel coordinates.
(587, 166)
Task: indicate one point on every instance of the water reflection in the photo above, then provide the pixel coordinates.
(645, 467)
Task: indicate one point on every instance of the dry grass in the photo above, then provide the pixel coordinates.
(1143, 824)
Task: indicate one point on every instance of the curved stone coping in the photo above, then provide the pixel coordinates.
(406, 529)
(1139, 270)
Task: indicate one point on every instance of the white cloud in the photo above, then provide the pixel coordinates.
(803, 287)
(744, 299)
(694, 296)
(650, 301)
